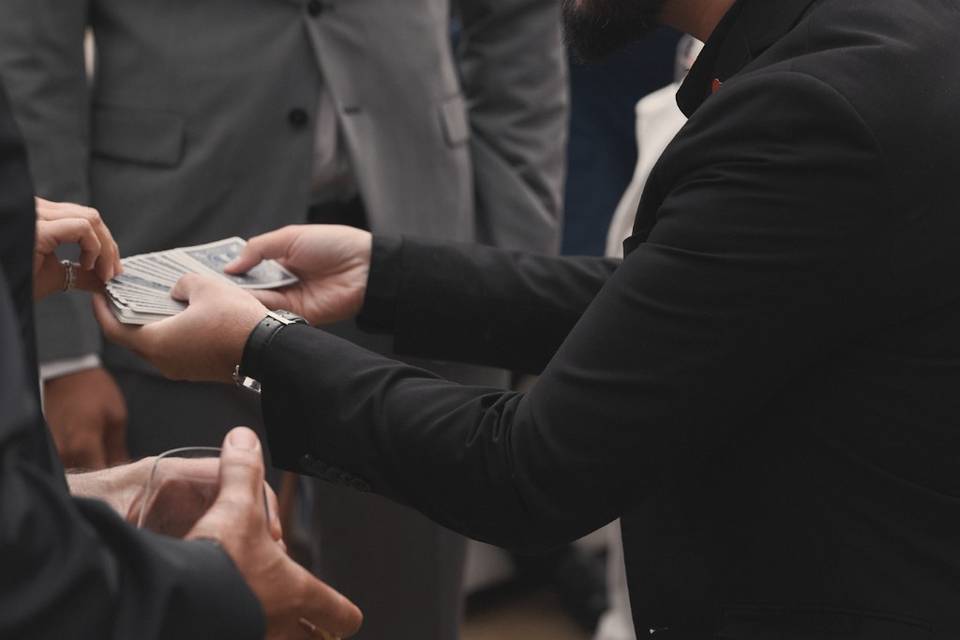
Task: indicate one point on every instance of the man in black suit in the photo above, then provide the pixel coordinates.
(765, 390)
(70, 567)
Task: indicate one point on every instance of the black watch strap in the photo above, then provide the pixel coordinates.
(258, 341)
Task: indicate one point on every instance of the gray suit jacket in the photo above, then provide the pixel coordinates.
(186, 133)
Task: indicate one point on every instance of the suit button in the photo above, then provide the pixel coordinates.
(315, 7)
(298, 118)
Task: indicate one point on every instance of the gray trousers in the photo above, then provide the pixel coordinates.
(402, 570)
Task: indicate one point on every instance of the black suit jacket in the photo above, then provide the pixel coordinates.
(765, 390)
(71, 568)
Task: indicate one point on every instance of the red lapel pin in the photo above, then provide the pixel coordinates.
(715, 86)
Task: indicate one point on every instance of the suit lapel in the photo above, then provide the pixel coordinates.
(748, 29)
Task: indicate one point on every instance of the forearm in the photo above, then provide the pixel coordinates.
(356, 418)
(475, 304)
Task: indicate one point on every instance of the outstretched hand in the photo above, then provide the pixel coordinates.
(202, 343)
(332, 262)
(205, 342)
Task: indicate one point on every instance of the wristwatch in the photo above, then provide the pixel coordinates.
(260, 338)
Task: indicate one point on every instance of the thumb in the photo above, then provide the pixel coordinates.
(269, 245)
(271, 299)
(186, 286)
(241, 470)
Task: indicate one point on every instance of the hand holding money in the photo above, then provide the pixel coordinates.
(331, 262)
(203, 342)
(141, 295)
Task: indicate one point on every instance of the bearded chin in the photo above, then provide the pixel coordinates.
(595, 29)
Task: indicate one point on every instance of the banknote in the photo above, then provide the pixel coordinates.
(141, 294)
(217, 255)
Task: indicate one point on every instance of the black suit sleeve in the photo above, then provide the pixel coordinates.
(470, 303)
(763, 259)
(71, 568)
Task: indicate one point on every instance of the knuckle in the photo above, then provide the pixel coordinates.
(92, 215)
(239, 509)
(85, 226)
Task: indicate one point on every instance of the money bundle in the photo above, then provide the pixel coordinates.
(141, 294)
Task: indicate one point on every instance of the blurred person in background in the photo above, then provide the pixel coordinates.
(658, 119)
(601, 155)
(72, 567)
(230, 117)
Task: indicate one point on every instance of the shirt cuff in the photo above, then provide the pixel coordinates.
(67, 366)
(379, 312)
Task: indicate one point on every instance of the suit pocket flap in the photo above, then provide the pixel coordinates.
(138, 135)
(453, 116)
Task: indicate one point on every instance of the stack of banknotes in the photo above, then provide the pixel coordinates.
(141, 294)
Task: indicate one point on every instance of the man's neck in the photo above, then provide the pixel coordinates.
(697, 17)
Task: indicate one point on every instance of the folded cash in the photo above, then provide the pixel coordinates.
(141, 294)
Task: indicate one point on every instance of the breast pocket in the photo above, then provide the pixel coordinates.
(141, 136)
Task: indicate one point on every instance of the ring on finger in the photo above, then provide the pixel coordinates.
(315, 631)
(69, 274)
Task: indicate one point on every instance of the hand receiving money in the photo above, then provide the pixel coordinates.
(61, 223)
(141, 295)
(206, 341)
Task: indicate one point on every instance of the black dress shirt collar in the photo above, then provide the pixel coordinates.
(748, 29)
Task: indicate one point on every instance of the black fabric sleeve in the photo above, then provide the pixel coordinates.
(766, 257)
(71, 568)
(475, 304)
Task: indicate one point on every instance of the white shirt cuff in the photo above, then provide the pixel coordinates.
(60, 368)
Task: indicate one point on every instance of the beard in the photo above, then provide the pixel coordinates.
(595, 29)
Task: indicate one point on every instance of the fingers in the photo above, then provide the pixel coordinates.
(139, 339)
(241, 469)
(273, 513)
(269, 245)
(186, 286)
(116, 331)
(328, 609)
(71, 230)
(107, 261)
(193, 284)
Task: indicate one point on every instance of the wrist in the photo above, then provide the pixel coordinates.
(378, 309)
(258, 342)
(53, 370)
